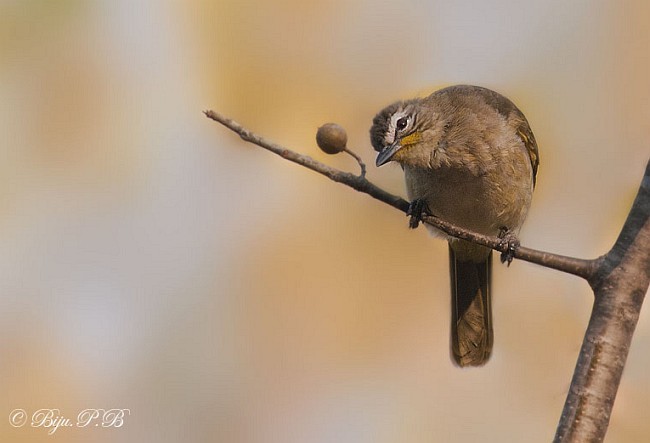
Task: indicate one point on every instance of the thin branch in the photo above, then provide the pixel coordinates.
(580, 267)
(362, 165)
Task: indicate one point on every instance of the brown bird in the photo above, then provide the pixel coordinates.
(470, 158)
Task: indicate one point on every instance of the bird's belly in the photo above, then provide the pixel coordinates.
(482, 204)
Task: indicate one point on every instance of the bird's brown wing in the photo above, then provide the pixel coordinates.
(517, 119)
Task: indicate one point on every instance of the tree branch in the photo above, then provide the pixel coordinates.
(619, 279)
(575, 266)
(619, 285)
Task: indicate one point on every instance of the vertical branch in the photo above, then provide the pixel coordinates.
(619, 285)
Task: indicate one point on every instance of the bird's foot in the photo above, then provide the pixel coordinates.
(510, 243)
(416, 208)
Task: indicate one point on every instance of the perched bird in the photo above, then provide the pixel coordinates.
(470, 158)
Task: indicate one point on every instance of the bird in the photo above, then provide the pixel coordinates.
(470, 158)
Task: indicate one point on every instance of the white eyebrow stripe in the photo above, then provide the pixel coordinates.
(393, 121)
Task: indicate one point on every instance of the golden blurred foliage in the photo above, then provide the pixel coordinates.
(153, 261)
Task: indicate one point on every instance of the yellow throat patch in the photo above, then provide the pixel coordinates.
(407, 141)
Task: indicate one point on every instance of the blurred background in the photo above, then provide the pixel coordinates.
(153, 261)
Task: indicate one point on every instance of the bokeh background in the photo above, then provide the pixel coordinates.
(151, 260)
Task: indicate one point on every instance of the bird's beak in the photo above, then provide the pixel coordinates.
(387, 153)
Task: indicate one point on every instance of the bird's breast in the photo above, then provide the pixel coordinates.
(482, 203)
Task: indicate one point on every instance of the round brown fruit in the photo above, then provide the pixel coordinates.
(331, 138)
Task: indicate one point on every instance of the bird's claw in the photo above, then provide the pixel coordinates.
(416, 208)
(510, 243)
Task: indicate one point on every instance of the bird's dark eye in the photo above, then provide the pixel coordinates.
(401, 123)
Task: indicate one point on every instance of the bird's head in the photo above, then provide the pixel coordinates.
(402, 126)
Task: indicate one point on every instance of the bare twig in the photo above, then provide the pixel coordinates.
(576, 266)
(362, 165)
